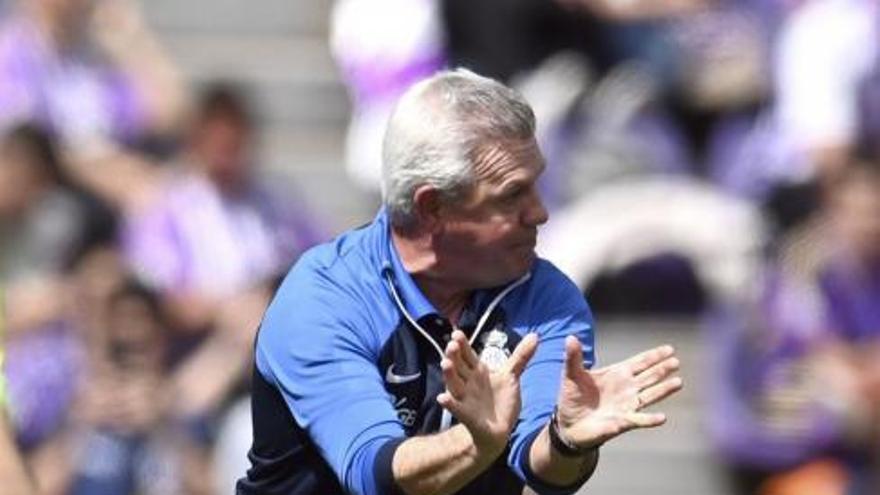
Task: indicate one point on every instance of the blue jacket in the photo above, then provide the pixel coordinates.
(347, 367)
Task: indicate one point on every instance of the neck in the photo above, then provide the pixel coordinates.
(228, 184)
(420, 261)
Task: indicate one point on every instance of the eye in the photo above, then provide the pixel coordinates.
(513, 193)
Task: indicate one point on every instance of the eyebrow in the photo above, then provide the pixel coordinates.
(517, 182)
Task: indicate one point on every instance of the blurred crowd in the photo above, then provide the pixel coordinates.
(140, 244)
(713, 159)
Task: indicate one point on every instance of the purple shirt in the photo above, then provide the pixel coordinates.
(194, 238)
(758, 351)
(72, 93)
(44, 369)
(852, 296)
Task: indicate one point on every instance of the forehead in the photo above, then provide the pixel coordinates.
(501, 161)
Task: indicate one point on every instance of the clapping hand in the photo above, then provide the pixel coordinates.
(596, 406)
(486, 402)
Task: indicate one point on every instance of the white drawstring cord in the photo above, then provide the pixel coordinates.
(446, 417)
(494, 303)
(483, 318)
(407, 315)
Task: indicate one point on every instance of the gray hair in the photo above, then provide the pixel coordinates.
(436, 131)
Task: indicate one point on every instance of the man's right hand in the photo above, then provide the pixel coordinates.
(487, 403)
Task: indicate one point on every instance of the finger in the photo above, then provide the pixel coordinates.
(467, 352)
(451, 404)
(659, 392)
(645, 420)
(454, 383)
(657, 373)
(642, 361)
(521, 355)
(447, 401)
(454, 354)
(574, 358)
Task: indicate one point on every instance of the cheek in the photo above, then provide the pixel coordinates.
(494, 234)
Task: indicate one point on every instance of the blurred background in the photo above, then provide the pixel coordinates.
(713, 183)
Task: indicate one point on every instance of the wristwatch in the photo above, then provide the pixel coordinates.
(561, 444)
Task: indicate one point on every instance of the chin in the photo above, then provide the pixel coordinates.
(520, 267)
(506, 269)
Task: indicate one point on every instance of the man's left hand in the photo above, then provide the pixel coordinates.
(596, 406)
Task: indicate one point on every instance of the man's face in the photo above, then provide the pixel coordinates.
(222, 146)
(68, 13)
(134, 335)
(20, 181)
(488, 236)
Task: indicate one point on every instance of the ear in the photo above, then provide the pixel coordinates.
(428, 207)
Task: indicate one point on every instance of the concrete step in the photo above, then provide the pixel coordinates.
(277, 50)
(293, 79)
(323, 106)
(310, 159)
(670, 473)
(333, 198)
(305, 147)
(238, 16)
(675, 459)
(262, 57)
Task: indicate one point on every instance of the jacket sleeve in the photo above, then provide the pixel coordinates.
(557, 309)
(316, 345)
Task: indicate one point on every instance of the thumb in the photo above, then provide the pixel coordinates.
(520, 357)
(574, 358)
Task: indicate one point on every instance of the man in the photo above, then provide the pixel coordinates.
(428, 351)
(187, 242)
(803, 416)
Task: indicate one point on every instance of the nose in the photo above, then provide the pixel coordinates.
(534, 213)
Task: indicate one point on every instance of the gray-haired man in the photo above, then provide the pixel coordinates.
(432, 351)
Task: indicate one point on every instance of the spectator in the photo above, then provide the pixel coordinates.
(92, 75)
(188, 243)
(819, 78)
(49, 362)
(799, 375)
(88, 71)
(125, 443)
(43, 221)
(212, 244)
